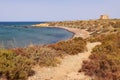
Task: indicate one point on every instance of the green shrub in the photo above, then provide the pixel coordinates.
(14, 67)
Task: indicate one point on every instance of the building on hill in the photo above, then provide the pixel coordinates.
(104, 17)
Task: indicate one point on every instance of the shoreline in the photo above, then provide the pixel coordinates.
(76, 32)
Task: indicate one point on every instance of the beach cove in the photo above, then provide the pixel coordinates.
(77, 32)
(22, 34)
(69, 59)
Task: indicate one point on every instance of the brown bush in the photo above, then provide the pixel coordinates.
(40, 55)
(104, 63)
(71, 47)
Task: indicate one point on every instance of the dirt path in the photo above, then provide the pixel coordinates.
(67, 70)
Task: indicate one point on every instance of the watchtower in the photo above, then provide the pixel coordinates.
(104, 17)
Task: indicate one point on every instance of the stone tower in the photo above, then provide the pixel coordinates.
(104, 17)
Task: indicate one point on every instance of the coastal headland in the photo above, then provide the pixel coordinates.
(102, 33)
(93, 53)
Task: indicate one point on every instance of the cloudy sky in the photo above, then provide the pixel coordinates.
(55, 10)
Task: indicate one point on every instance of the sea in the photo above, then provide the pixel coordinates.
(22, 34)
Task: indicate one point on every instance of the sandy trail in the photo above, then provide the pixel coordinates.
(67, 70)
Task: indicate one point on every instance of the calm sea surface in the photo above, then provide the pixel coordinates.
(21, 34)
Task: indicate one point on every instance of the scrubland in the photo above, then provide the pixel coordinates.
(103, 63)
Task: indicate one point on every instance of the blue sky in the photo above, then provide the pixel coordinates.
(56, 10)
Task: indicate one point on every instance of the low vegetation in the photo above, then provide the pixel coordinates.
(95, 27)
(13, 66)
(104, 62)
(71, 47)
(40, 55)
(16, 64)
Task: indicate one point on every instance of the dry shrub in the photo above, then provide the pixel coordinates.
(40, 55)
(16, 64)
(95, 27)
(14, 67)
(104, 62)
(71, 47)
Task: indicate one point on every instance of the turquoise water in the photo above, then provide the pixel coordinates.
(21, 34)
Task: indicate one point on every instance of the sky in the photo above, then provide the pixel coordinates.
(57, 10)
